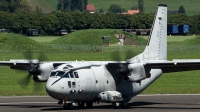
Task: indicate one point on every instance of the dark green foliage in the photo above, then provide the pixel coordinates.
(72, 5)
(181, 10)
(141, 6)
(15, 6)
(114, 8)
(52, 23)
(134, 7)
(10, 5)
(101, 11)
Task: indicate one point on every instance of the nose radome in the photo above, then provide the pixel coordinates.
(53, 88)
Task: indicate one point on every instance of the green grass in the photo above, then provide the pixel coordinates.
(174, 38)
(92, 36)
(44, 39)
(191, 6)
(52, 3)
(175, 83)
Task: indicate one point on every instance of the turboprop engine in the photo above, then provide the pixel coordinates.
(134, 72)
(41, 71)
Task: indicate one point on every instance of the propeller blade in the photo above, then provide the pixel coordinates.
(37, 87)
(25, 81)
(115, 56)
(129, 54)
(42, 56)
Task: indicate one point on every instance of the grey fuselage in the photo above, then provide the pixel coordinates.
(94, 80)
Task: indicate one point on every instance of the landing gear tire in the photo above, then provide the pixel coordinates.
(81, 104)
(124, 104)
(68, 106)
(116, 104)
(89, 104)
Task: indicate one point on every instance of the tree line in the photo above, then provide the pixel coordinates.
(13, 6)
(52, 23)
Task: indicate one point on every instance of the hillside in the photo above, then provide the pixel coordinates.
(46, 8)
(191, 6)
(92, 36)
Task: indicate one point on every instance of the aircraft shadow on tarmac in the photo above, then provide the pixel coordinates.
(140, 104)
(131, 105)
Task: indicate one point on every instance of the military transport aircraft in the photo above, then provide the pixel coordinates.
(113, 82)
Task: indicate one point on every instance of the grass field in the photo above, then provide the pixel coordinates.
(176, 83)
(191, 6)
(12, 82)
(52, 3)
(44, 39)
(174, 38)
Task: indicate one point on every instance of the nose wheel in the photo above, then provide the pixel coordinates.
(68, 106)
(120, 104)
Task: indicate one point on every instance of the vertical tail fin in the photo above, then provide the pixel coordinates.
(156, 48)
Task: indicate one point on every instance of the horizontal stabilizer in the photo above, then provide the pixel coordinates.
(172, 66)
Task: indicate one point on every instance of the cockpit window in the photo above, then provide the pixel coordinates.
(71, 75)
(60, 73)
(66, 75)
(53, 74)
(76, 75)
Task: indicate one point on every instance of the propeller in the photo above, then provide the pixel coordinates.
(123, 67)
(33, 70)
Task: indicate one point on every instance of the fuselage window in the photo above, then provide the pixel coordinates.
(76, 75)
(60, 73)
(53, 74)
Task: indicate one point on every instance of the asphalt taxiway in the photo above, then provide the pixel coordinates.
(141, 103)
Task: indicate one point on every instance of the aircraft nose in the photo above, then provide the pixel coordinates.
(53, 88)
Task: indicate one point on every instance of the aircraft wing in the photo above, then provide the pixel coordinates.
(175, 65)
(24, 64)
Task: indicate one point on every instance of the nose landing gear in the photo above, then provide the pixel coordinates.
(68, 105)
(120, 104)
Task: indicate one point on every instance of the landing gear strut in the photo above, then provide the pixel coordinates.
(89, 104)
(81, 104)
(120, 104)
(68, 106)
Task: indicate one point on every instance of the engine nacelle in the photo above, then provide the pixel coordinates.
(45, 71)
(137, 72)
(113, 96)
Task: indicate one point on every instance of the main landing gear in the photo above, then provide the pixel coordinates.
(89, 104)
(81, 105)
(68, 106)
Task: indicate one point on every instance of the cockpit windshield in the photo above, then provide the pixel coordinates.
(65, 74)
(53, 74)
(60, 73)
